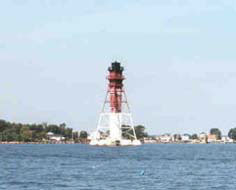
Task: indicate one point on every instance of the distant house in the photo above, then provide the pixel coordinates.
(212, 138)
(54, 137)
(226, 139)
(149, 140)
(203, 137)
(185, 138)
(49, 134)
(165, 138)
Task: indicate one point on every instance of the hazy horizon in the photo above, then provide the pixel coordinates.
(179, 59)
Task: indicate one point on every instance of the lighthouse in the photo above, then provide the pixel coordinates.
(115, 126)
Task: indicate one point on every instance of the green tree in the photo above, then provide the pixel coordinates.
(54, 129)
(75, 136)
(26, 134)
(83, 135)
(68, 133)
(217, 132)
(194, 137)
(140, 132)
(232, 133)
(3, 125)
(10, 135)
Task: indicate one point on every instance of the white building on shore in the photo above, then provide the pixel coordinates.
(54, 137)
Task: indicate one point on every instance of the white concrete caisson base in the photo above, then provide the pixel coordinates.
(108, 142)
(112, 130)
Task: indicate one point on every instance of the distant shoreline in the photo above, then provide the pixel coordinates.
(14, 143)
(70, 142)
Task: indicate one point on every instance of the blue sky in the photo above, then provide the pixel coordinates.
(179, 58)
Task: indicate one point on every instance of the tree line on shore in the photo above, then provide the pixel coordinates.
(31, 132)
(18, 132)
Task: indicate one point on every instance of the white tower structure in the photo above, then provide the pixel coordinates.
(115, 125)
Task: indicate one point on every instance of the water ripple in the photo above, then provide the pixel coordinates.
(72, 167)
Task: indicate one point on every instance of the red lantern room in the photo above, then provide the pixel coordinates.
(115, 87)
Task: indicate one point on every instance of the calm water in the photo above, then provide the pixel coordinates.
(67, 167)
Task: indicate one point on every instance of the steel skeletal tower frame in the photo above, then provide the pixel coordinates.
(115, 121)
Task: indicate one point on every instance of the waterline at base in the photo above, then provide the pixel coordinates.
(109, 142)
